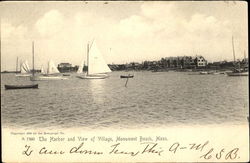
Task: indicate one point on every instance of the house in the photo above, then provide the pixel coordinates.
(183, 62)
(66, 67)
(200, 61)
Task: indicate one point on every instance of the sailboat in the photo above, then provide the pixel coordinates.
(29, 86)
(52, 69)
(24, 69)
(80, 69)
(51, 73)
(236, 71)
(97, 66)
(42, 70)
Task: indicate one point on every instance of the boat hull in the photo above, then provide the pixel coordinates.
(93, 77)
(44, 78)
(23, 75)
(21, 86)
(126, 76)
(237, 73)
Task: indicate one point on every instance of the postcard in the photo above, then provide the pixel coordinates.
(124, 81)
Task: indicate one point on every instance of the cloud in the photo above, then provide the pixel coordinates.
(135, 26)
(146, 31)
(50, 24)
(154, 18)
(157, 29)
(163, 19)
(10, 31)
(207, 26)
(165, 32)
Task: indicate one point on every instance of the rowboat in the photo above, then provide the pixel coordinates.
(21, 86)
(126, 76)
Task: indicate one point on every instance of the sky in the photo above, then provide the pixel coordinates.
(124, 31)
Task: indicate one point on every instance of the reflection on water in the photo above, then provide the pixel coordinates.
(150, 99)
(97, 89)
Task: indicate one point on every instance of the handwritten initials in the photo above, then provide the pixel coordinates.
(27, 152)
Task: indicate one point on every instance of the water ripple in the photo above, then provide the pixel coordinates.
(151, 99)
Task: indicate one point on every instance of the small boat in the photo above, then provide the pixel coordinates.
(194, 73)
(21, 86)
(204, 73)
(66, 74)
(126, 76)
(218, 73)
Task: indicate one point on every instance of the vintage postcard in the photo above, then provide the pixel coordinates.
(124, 81)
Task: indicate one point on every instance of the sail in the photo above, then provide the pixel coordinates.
(80, 69)
(25, 67)
(96, 62)
(52, 69)
(42, 70)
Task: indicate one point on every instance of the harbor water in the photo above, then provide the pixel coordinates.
(149, 100)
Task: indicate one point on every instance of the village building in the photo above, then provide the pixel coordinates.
(184, 62)
(200, 61)
(67, 67)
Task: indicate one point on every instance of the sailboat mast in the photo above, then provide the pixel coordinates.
(16, 64)
(245, 59)
(48, 71)
(0, 37)
(33, 59)
(244, 55)
(233, 48)
(88, 58)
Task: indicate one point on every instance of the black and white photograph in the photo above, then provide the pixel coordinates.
(125, 71)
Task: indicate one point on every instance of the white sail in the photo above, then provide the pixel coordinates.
(25, 67)
(96, 62)
(42, 70)
(80, 69)
(52, 69)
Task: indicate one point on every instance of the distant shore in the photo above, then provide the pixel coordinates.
(158, 66)
(153, 70)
